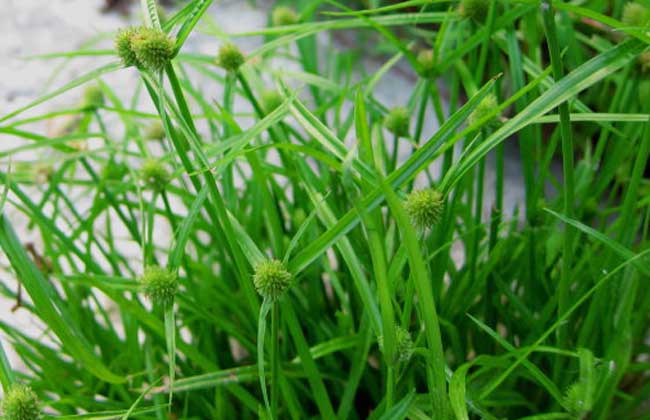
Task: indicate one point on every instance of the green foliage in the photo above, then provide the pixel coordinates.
(455, 300)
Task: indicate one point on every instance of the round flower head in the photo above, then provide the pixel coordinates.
(155, 131)
(636, 15)
(153, 48)
(644, 61)
(283, 15)
(404, 344)
(159, 284)
(114, 171)
(154, 174)
(483, 109)
(93, 97)
(21, 403)
(123, 46)
(426, 63)
(42, 173)
(424, 207)
(230, 57)
(271, 279)
(270, 101)
(397, 122)
(474, 9)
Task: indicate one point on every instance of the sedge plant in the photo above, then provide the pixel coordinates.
(232, 240)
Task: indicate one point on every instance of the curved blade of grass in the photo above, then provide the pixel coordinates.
(108, 68)
(6, 374)
(491, 386)
(199, 8)
(578, 80)
(35, 284)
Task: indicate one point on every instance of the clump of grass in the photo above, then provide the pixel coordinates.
(406, 281)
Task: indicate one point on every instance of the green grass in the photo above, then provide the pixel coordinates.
(546, 314)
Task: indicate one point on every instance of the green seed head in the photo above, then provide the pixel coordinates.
(636, 15)
(426, 64)
(21, 403)
(404, 344)
(93, 97)
(476, 10)
(271, 279)
(270, 101)
(42, 173)
(153, 48)
(154, 174)
(424, 207)
(644, 61)
(114, 171)
(283, 15)
(155, 131)
(159, 284)
(397, 122)
(123, 46)
(230, 57)
(485, 108)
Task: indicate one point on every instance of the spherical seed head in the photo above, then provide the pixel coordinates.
(154, 174)
(397, 122)
(21, 403)
(153, 48)
(483, 109)
(159, 284)
(114, 171)
(123, 47)
(424, 207)
(474, 9)
(271, 279)
(42, 173)
(635, 15)
(155, 131)
(404, 344)
(230, 57)
(283, 15)
(644, 61)
(93, 97)
(427, 63)
(271, 100)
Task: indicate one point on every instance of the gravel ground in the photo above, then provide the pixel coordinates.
(34, 27)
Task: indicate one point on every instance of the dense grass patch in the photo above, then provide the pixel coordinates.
(295, 248)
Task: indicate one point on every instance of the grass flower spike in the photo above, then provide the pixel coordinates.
(636, 15)
(270, 101)
(154, 174)
(476, 10)
(153, 48)
(155, 131)
(93, 97)
(271, 279)
(230, 57)
(405, 346)
(426, 63)
(124, 48)
(397, 121)
(21, 403)
(424, 207)
(283, 15)
(485, 108)
(159, 284)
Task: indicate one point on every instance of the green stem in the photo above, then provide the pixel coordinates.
(567, 165)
